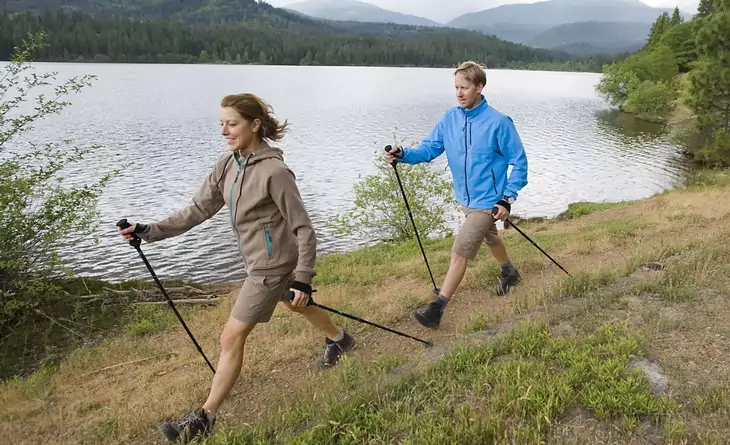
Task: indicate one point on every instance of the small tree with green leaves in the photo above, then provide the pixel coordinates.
(37, 210)
(643, 83)
(380, 214)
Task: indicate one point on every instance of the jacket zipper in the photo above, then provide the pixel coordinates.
(466, 158)
(235, 205)
(494, 182)
(267, 235)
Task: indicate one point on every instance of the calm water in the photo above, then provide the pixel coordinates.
(165, 119)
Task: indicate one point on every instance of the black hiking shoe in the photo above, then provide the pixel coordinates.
(507, 281)
(333, 351)
(196, 423)
(430, 316)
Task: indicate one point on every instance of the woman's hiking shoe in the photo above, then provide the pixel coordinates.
(333, 350)
(196, 423)
(430, 316)
(507, 281)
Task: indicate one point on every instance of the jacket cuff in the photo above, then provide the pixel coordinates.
(304, 277)
(146, 236)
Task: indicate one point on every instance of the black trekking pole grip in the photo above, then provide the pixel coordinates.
(290, 297)
(124, 224)
(397, 150)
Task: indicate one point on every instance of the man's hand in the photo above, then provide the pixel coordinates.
(502, 213)
(392, 153)
(300, 298)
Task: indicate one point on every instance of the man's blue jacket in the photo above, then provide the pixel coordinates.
(480, 144)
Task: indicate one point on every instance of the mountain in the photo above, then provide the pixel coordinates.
(353, 10)
(568, 24)
(559, 12)
(245, 31)
(209, 11)
(593, 37)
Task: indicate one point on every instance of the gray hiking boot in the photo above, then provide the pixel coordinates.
(429, 316)
(196, 423)
(335, 350)
(507, 280)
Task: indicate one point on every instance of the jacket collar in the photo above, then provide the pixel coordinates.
(265, 151)
(483, 105)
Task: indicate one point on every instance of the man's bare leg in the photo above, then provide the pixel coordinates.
(499, 251)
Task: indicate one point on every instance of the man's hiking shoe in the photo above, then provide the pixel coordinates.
(430, 316)
(184, 430)
(333, 351)
(507, 281)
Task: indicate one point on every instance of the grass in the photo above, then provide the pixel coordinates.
(560, 361)
(512, 390)
(581, 208)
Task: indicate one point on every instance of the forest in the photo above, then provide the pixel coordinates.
(250, 32)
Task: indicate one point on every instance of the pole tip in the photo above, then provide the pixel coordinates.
(429, 342)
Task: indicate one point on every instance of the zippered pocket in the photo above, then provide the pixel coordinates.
(494, 181)
(267, 237)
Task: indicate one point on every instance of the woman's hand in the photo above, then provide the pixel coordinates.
(127, 233)
(301, 299)
(133, 228)
(302, 292)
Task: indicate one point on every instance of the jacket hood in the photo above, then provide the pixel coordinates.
(265, 151)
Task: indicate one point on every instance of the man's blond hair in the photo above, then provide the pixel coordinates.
(473, 72)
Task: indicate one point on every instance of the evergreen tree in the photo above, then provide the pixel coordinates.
(705, 8)
(676, 18)
(658, 29)
(710, 86)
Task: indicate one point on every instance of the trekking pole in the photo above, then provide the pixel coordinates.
(494, 212)
(436, 290)
(311, 302)
(136, 244)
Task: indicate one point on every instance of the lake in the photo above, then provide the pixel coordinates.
(165, 119)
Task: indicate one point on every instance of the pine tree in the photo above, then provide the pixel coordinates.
(705, 8)
(676, 18)
(658, 28)
(710, 85)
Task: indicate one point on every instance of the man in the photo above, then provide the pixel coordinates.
(480, 143)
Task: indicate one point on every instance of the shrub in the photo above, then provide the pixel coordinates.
(37, 211)
(379, 212)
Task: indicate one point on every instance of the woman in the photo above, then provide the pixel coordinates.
(274, 235)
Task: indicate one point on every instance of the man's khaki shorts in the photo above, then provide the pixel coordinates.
(259, 296)
(478, 227)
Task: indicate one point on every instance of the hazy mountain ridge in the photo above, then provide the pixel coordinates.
(576, 26)
(353, 10)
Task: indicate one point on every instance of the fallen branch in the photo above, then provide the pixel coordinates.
(119, 365)
(38, 311)
(190, 301)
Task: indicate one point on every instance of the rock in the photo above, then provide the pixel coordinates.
(652, 266)
(565, 328)
(658, 382)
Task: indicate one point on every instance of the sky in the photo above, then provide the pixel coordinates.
(446, 10)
